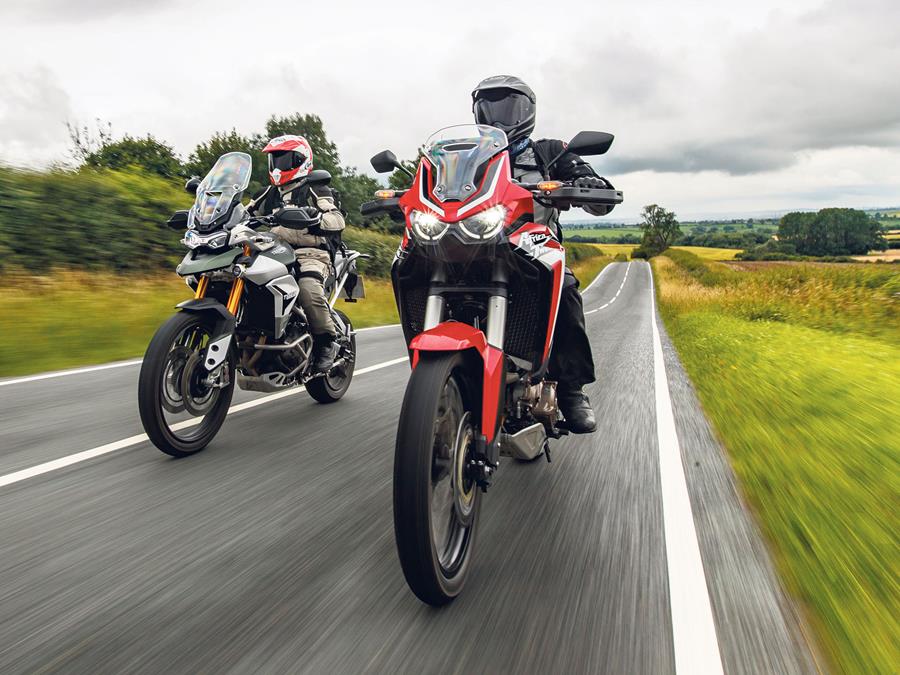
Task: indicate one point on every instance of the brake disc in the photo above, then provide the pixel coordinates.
(198, 397)
(172, 399)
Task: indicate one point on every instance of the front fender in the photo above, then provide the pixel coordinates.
(220, 340)
(452, 336)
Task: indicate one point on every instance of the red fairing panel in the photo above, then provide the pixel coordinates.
(451, 336)
(538, 242)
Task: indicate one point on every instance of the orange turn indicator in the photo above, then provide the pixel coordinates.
(385, 194)
(548, 185)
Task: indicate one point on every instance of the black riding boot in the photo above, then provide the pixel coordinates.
(323, 353)
(576, 408)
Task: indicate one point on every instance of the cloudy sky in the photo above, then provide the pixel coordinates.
(718, 108)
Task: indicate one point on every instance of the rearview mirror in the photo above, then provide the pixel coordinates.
(590, 143)
(178, 221)
(318, 177)
(192, 184)
(385, 162)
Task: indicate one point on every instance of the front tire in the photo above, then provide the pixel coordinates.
(435, 502)
(161, 387)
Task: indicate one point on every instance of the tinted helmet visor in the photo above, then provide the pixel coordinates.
(502, 108)
(285, 160)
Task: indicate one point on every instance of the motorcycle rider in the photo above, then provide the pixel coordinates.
(290, 161)
(506, 102)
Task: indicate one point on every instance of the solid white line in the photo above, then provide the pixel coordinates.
(75, 371)
(621, 286)
(387, 325)
(693, 628)
(123, 364)
(68, 460)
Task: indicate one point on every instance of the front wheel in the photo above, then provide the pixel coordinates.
(180, 407)
(435, 501)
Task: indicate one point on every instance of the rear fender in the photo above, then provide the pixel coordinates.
(451, 336)
(222, 333)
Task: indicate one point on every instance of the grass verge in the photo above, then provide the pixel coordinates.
(798, 368)
(71, 319)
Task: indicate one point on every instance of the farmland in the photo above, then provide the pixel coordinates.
(798, 368)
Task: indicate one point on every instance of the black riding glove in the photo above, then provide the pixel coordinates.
(594, 182)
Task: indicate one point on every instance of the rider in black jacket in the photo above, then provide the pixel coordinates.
(508, 103)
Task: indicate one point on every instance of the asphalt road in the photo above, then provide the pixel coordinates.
(272, 551)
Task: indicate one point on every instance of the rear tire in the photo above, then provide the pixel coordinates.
(332, 386)
(435, 533)
(155, 389)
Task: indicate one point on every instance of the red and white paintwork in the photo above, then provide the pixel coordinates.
(532, 239)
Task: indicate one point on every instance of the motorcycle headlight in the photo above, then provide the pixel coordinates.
(427, 225)
(194, 240)
(485, 224)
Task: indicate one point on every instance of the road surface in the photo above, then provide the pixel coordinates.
(273, 551)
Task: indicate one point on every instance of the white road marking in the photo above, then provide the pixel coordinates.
(693, 628)
(621, 286)
(387, 325)
(68, 460)
(596, 279)
(123, 364)
(75, 371)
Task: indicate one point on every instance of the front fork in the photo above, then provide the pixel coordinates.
(217, 349)
(435, 305)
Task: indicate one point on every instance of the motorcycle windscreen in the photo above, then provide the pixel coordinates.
(229, 176)
(457, 153)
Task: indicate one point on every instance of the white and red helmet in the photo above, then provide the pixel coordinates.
(290, 158)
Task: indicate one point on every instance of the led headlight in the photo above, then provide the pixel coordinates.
(485, 224)
(194, 240)
(427, 225)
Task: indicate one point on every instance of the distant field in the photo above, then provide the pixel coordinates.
(603, 232)
(798, 368)
(710, 253)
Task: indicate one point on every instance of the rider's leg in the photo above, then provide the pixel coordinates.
(315, 305)
(571, 361)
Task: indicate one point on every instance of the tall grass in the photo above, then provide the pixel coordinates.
(798, 368)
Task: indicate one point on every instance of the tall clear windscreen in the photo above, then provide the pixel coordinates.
(229, 176)
(457, 152)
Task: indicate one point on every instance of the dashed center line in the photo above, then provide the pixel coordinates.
(621, 286)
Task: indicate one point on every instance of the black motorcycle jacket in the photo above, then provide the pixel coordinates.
(530, 161)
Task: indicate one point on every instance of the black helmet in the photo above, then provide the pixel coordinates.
(505, 102)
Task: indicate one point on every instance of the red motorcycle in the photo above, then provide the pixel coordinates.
(478, 284)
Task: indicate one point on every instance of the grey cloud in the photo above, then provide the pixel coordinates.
(826, 79)
(33, 112)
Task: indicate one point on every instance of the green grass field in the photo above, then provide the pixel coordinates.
(798, 368)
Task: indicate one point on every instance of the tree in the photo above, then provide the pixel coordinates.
(85, 142)
(831, 232)
(660, 228)
(145, 153)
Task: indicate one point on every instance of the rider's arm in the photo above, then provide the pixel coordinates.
(332, 219)
(259, 205)
(571, 167)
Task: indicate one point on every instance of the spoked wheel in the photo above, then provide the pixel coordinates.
(333, 385)
(435, 501)
(181, 408)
